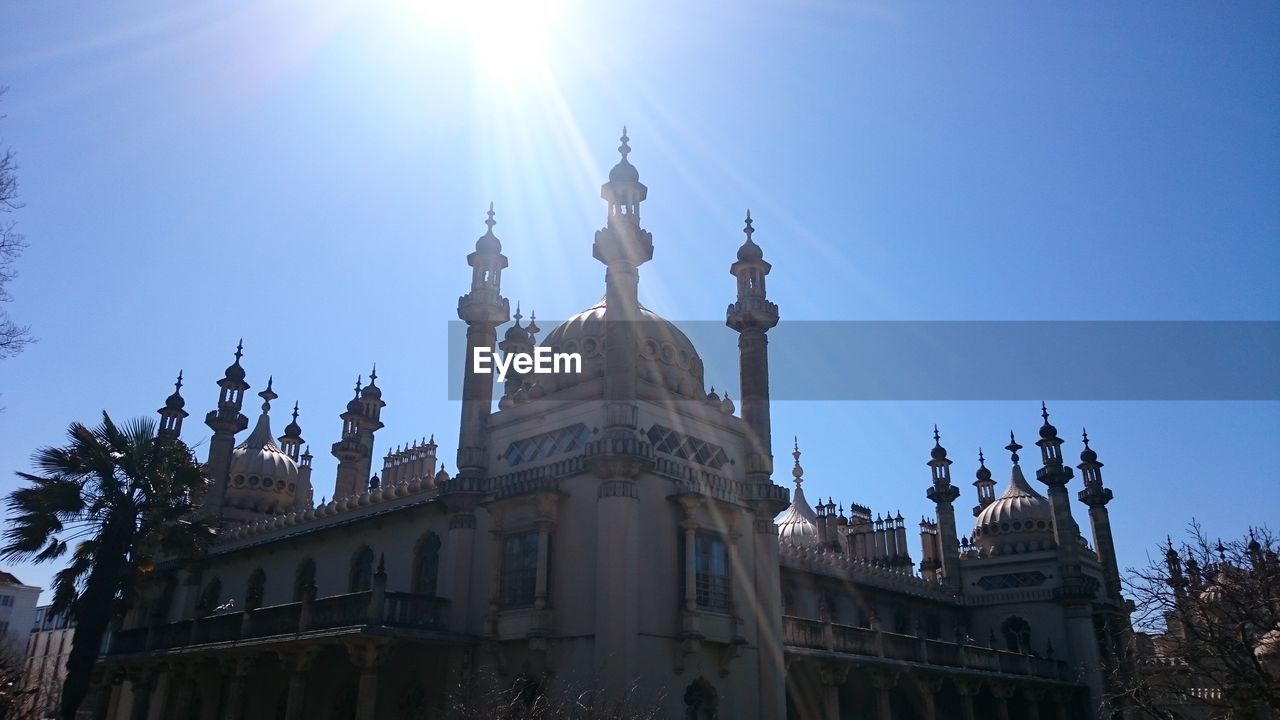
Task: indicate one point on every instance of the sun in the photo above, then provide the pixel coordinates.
(509, 39)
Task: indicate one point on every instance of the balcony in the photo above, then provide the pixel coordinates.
(360, 610)
(878, 646)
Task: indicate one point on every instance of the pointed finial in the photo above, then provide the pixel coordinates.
(359, 383)
(1013, 447)
(797, 472)
(373, 375)
(937, 438)
(268, 395)
(624, 148)
(295, 411)
(489, 221)
(1044, 412)
(239, 350)
(178, 385)
(517, 316)
(981, 460)
(270, 380)
(1084, 433)
(747, 229)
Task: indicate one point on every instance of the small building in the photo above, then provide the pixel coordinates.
(45, 667)
(17, 611)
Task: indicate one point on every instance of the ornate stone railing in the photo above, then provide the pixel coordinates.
(362, 609)
(870, 644)
(826, 560)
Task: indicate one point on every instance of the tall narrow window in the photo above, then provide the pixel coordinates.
(711, 572)
(362, 570)
(426, 565)
(306, 578)
(1017, 634)
(257, 587)
(211, 598)
(519, 570)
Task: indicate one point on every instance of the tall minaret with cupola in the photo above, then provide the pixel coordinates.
(291, 443)
(752, 316)
(172, 414)
(354, 450)
(483, 309)
(225, 421)
(1096, 496)
(943, 494)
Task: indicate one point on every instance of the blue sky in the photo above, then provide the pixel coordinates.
(310, 176)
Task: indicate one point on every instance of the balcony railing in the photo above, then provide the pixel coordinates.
(367, 609)
(869, 643)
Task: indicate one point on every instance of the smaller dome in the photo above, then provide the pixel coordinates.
(354, 406)
(938, 452)
(175, 401)
(371, 391)
(515, 333)
(1020, 520)
(234, 371)
(442, 476)
(750, 251)
(797, 524)
(624, 171)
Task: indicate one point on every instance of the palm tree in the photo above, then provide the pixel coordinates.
(117, 496)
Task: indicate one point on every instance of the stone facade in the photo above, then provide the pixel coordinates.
(613, 531)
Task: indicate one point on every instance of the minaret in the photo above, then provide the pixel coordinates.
(1055, 475)
(483, 309)
(516, 340)
(622, 246)
(1076, 591)
(752, 316)
(1096, 496)
(986, 486)
(225, 422)
(619, 455)
(291, 443)
(172, 414)
(355, 450)
(943, 494)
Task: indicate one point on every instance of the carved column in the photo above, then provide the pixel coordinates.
(967, 689)
(142, 683)
(883, 682)
(299, 666)
(368, 657)
(932, 686)
(1032, 695)
(238, 671)
(182, 678)
(832, 676)
(1002, 693)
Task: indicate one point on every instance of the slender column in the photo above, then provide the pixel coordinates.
(239, 679)
(932, 686)
(883, 682)
(1032, 695)
(368, 657)
(1002, 693)
(1060, 700)
(456, 569)
(141, 683)
(182, 678)
(832, 677)
(967, 689)
(690, 560)
(299, 666)
(544, 542)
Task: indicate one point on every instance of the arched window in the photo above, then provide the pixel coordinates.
(362, 570)
(306, 578)
(1017, 635)
(257, 586)
(211, 598)
(426, 565)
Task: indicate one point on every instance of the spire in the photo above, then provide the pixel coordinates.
(172, 414)
(1013, 447)
(624, 192)
(1049, 443)
(797, 472)
(261, 435)
(985, 485)
(488, 242)
(750, 251)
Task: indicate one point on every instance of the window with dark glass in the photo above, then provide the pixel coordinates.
(257, 586)
(710, 571)
(306, 578)
(426, 565)
(519, 570)
(1017, 634)
(362, 570)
